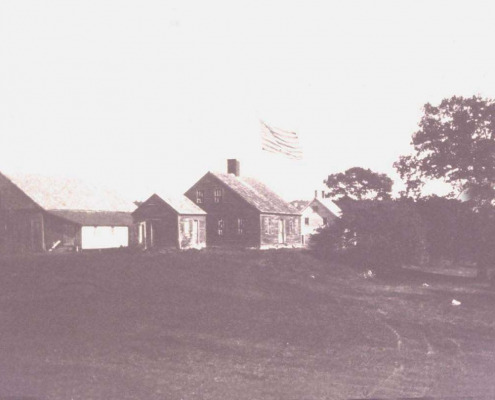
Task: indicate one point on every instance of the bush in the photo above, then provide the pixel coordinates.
(451, 229)
(374, 235)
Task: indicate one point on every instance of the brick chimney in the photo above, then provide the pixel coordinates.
(233, 166)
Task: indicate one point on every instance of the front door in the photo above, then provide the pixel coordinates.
(142, 235)
(195, 232)
(281, 231)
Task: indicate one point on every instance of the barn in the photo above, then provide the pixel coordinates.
(39, 213)
(242, 211)
(319, 212)
(165, 222)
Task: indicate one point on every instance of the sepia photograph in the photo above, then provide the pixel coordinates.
(241, 200)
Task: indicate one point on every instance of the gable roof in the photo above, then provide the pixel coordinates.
(328, 204)
(180, 204)
(95, 218)
(299, 205)
(256, 194)
(69, 194)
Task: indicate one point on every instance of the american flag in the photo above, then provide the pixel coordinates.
(277, 140)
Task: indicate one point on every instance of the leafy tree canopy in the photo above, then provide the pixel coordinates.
(456, 143)
(359, 183)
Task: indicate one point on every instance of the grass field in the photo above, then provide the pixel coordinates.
(237, 325)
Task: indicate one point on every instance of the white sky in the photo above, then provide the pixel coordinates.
(147, 96)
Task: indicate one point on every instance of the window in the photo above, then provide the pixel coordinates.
(240, 226)
(220, 227)
(217, 195)
(325, 221)
(266, 225)
(200, 195)
(291, 226)
(186, 228)
(306, 221)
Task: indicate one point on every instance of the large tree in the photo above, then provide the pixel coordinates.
(455, 143)
(359, 183)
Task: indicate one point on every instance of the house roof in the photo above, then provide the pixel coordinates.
(69, 194)
(257, 194)
(182, 205)
(328, 204)
(299, 205)
(95, 218)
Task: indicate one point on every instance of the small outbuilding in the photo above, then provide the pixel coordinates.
(170, 223)
(318, 213)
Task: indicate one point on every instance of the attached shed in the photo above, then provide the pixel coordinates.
(170, 222)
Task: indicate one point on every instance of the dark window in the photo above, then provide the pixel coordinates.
(220, 227)
(306, 221)
(325, 221)
(200, 195)
(240, 226)
(217, 195)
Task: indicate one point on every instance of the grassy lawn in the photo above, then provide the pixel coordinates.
(237, 325)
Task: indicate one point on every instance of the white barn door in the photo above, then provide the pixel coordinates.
(104, 237)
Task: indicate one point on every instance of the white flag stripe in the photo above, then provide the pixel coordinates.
(280, 141)
(278, 149)
(284, 135)
(293, 145)
(281, 134)
(287, 143)
(278, 144)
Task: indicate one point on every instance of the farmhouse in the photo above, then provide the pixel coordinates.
(318, 213)
(40, 213)
(244, 212)
(170, 222)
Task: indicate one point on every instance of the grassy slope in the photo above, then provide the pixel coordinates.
(243, 325)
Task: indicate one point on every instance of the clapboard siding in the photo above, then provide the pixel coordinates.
(166, 227)
(229, 209)
(276, 227)
(242, 220)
